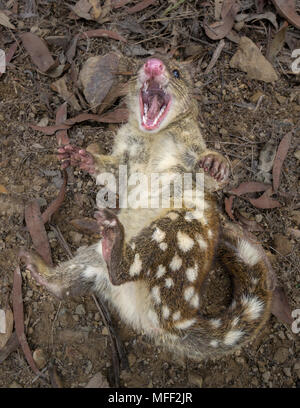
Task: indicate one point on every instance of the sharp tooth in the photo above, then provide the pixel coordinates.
(145, 108)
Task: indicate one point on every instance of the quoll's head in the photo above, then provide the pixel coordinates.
(162, 94)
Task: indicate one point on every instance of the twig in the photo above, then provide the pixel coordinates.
(215, 56)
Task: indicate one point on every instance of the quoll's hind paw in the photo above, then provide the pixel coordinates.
(216, 166)
(74, 156)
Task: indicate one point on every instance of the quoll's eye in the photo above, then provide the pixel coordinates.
(176, 73)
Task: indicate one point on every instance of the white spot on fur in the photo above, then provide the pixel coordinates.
(254, 281)
(136, 267)
(165, 312)
(185, 243)
(163, 246)
(160, 271)
(185, 324)
(232, 337)
(214, 343)
(216, 323)
(148, 272)
(155, 291)
(249, 254)
(172, 215)
(192, 273)
(90, 272)
(132, 246)
(233, 305)
(169, 282)
(202, 244)
(176, 263)
(189, 216)
(235, 321)
(209, 233)
(188, 293)
(253, 307)
(158, 235)
(176, 315)
(195, 301)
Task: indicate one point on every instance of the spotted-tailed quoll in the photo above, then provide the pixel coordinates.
(151, 262)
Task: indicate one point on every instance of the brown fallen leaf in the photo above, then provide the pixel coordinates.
(11, 345)
(35, 225)
(55, 380)
(140, 6)
(54, 206)
(71, 51)
(228, 207)
(119, 115)
(85, 225)
(103, 33)
(265, 200)
(115, 92)
(265, 16)
(9, 54)
(287, 9)
(280, 306)
(61, 116)
(96, 9)
(60, 86)
(249, 187)
(38, 51)
(19, 319)
(97, 76)
(220, 29)
(4, 21)
(120, 3)
(277, 43)
(82, 8)
(282, 151)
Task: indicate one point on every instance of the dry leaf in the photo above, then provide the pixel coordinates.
(220, 29)
(54, 206)
(278, 42)
(97, 76)
(35, 225)
(250, 225)
(103, 33)
(280, 306)
(279, 158)
(119, 115)
(265, 200)
(19, 318)
(249, 187)
(38, 51)
(61, 116)
(82, 8)
(60, 86)
(140, 6)
(11, 345)
(4, 21)
(265, 16)
(120, 3)
(287, 9)
(86, 225)
(97, 9)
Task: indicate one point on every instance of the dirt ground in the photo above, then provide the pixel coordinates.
(71, 333)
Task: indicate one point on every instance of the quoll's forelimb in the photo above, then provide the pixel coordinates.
(216, 166)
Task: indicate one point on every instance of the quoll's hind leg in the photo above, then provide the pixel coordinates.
(216, 166)
(74, 156)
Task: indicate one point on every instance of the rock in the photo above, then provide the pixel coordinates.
(281, 355)
(258, 218)
(80, 310)
(266, 376)
(97, 381)
(297, 154)
(195, 379)
(6, 325)
(75, 237)
(249, 59)
(255, 97)
(39, 358)
(282, 244)
(287, 371)
(104, 331)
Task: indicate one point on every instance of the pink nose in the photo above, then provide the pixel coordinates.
(154, 67)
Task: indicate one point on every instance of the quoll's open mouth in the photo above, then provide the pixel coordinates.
(155, 101)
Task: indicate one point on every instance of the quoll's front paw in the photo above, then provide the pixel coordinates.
(74, 156)
(216, 166)
(110, 229)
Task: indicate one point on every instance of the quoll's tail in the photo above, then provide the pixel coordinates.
(250, 307)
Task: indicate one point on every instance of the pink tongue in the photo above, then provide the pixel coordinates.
(153, 111)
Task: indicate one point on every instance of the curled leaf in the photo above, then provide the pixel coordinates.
(103, 33)
(249, 187)
(287, 9)
(265, 201)
(279, 158)
(220, 29)
(228, 206)
(38, 51)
